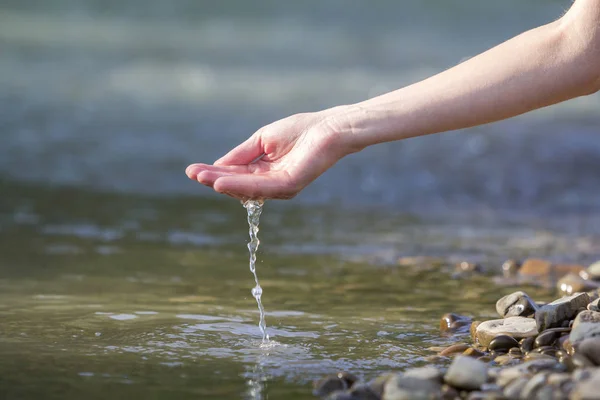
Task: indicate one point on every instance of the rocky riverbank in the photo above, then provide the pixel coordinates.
(533, 351)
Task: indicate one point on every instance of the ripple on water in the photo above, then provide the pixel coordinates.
(123, 317)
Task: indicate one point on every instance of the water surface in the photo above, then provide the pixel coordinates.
(114, 295)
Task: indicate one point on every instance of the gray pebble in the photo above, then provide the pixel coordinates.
(466, 373)
(554, 314)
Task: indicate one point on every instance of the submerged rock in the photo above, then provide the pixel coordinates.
(466, 373)
(554, 314)
(516, 327)
(517, 304)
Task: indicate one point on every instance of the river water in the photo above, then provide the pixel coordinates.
(121, 278)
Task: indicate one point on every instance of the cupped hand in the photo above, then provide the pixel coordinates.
(279, 160)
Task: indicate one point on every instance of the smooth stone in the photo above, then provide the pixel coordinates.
(579, 360)
(526, 344)
(326, 386)
(515, 352)
(428, 372)
(517, 327)
(594, 305)
(553, 314)
(537, 356)
(589, 388)
(503, 343)
(400, 387)
(586, 325)
(593, 271)
(535, 383)
(527, 369)
(590, 348)
(504, 359)
(466, 373)
(546, 338)
(558, 378)
(573, 283)
(451, 322)
(514, 389)
(510, 268)
(455, 348)
(517, 304)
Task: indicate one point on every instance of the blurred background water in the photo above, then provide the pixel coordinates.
(122, 95)
(120, 277)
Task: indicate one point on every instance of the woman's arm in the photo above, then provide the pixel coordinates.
(544, 66)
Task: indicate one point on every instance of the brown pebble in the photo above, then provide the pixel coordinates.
(515, 351)
(566, 345)
(472, 352)
(451, 322)
(455, 348)
(473, 330)
(485, 359)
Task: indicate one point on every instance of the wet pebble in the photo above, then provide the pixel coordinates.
(546, 338)
(454, 349)
(503, 343)
(451, 322)
(526, 344)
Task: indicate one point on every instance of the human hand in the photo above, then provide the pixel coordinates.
(279, 160)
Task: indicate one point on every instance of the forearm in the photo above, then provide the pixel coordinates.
(539, 68)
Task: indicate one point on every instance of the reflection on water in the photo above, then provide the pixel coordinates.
(94, 292)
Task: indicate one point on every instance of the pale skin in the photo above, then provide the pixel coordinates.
(544, 66)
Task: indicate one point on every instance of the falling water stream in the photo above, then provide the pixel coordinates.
(254, 208)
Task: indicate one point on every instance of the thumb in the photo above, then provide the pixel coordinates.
(243, 154)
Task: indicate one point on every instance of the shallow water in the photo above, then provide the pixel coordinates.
(124, 285)
(148, 297)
